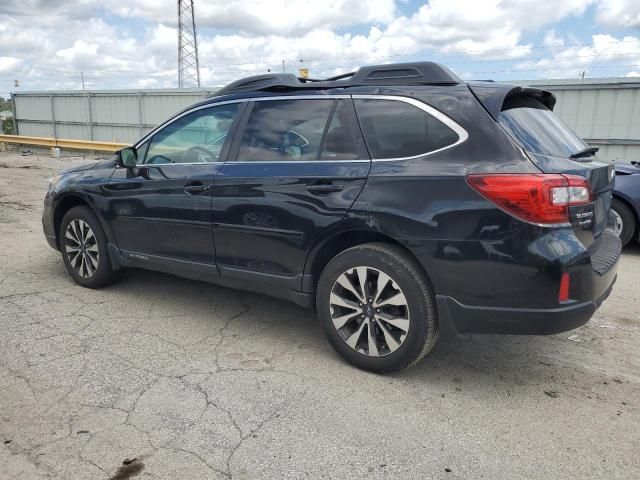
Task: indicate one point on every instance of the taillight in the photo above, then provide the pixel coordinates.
(539, 198)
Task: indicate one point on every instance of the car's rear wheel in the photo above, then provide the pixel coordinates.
(624, 221)
(377, 308)
(83, 246)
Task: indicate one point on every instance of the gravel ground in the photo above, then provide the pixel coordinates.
(161, 377)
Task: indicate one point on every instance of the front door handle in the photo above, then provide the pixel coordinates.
(324, 188)
(195, 188)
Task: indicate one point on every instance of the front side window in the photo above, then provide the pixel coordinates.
(285, 130)
(396, 129)
(195, 138)
(537, 129)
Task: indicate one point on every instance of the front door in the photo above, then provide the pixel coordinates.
(161, 209)
(295, 168)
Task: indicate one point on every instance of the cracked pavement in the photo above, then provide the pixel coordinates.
(162, 377)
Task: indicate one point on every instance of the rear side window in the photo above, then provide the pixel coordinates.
(285, 130)
(396, 129)
(537, 129)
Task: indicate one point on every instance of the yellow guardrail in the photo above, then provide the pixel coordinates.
(63, 143)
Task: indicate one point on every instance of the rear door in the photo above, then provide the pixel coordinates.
(295, 169)
(555, 148)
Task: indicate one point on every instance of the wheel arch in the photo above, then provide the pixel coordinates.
(328, 248)
(66, 203)
(636, 215)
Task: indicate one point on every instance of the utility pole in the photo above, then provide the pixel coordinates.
(82, 77)
(188, 65)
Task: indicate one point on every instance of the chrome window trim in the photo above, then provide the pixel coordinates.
(178, 117)
(460, 131)
(287, 162)
(158, 165)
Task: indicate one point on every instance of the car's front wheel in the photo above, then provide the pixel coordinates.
(377, 308)
(83, 246)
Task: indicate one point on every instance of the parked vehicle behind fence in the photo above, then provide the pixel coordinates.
(398, 201)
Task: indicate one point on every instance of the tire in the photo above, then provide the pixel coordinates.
(404, 328)
(628, 219)
(81, 227)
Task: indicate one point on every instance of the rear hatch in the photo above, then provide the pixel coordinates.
(526, 115)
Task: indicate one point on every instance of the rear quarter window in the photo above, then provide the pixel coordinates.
(396, 129)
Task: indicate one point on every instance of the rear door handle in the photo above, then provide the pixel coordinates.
(195, 188)
(323, 188)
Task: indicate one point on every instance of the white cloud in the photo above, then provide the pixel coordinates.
(490, 29)
(54, 50)
(8, 64)
(619, 13)
(633, 74)
(570, 60)
(52, 41)
(552, 40)
(294, 17)
(266, 17)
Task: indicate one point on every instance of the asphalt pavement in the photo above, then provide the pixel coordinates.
(162, 377)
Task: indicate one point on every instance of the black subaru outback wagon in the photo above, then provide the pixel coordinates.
(398, 201)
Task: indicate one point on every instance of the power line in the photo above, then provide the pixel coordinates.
(600, 67)
(233, 73)
(165, 75)
(274, 61)
(462, 52)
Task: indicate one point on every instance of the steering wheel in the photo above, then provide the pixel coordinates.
(192, 151)
(217, 142)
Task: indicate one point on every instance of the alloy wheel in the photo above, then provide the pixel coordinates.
(369, 311)
(81, 248)
(618, 224)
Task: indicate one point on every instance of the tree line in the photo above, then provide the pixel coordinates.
(7, 123)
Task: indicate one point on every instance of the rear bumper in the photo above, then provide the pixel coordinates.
(592, 275)
(455, 317)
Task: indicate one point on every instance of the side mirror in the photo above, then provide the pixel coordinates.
(128, 157)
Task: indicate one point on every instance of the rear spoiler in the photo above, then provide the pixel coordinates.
(492, 95)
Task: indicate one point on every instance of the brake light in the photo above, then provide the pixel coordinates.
(539, 198)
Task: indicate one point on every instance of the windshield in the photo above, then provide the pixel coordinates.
(538, 130)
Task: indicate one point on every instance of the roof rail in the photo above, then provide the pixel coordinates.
(414, 73)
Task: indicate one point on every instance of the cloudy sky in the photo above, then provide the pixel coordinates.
(45, 44)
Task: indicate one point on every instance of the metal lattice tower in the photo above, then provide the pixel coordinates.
(188, 66)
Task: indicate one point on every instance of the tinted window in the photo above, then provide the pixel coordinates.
(194, 138)
(395, 129)
(537, 129)
(285, 130)
(142, 151)
(339, 145)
